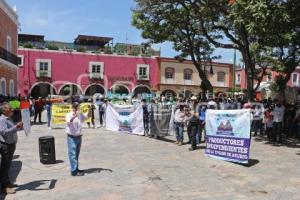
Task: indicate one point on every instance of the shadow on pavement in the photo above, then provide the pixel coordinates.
(165, 140)
(16, 167)
(251, 163)
(59, 161)
(288, 142)
(96, 170)
(36, 185)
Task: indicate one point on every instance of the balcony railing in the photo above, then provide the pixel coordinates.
(9, 57)
(42, 74)
(143, 77)
(70, 47)
(96, 76)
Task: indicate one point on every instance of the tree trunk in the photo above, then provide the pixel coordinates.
(249, 70)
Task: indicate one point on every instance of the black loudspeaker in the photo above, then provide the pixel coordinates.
(47, 150)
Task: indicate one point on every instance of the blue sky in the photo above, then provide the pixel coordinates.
(63, 20)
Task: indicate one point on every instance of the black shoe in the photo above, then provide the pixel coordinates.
(191, 149)
(79, 170)
(77, 173)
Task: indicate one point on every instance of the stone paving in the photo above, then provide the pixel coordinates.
(122, 166)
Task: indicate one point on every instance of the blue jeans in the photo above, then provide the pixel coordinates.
(101, 117)
(74, 144)
(49, 118)
(257, 126)
(179, 131)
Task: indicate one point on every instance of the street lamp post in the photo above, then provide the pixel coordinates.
(233, 72)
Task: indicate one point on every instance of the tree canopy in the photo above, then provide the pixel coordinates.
(197, 27)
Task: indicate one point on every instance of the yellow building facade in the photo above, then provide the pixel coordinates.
(181, 77)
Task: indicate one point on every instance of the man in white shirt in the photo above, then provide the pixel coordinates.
(179, 119)
(75, 120)
(8, 141)
(278, 114)
(258, 115)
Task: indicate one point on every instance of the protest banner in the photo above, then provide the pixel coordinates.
(84, 108)
(125, 118)
(25, 113)
(59, 112)
(228, 135)
(161, 120)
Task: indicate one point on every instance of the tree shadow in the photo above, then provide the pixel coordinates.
(96, 170)
(36, 185)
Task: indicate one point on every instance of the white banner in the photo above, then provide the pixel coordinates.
(125, 119)
(26, 121)
(228, 135)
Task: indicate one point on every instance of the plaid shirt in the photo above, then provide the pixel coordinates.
(8, 131)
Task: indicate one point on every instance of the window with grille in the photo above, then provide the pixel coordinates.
(3, 87)
(295, 78)
(142, 72)
(188, 74)
(221, 77)
(43, 68)
(169, 73)
(96, 70)
(238, 79)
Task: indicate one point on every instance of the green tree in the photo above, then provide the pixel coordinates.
(286, 46)
(169, 21)
(240, 24)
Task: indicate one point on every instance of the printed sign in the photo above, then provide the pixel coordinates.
(228, 135)
(59, 112)
(125, 118)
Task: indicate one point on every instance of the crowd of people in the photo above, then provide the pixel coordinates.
(269, 118)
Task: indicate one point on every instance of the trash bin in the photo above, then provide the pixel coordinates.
(47, 150)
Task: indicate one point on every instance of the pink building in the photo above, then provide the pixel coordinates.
(87, 66)
(268, 79)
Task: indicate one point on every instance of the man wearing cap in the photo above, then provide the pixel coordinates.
(75, 120)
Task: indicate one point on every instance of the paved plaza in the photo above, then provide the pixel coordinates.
(122, 166)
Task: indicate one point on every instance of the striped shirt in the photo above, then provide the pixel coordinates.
(8, 131)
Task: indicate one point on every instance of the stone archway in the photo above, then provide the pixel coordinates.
(94, 89)
(70, 89)
(42, 89)
(141, 89)
(169, 93)
(120, 89)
